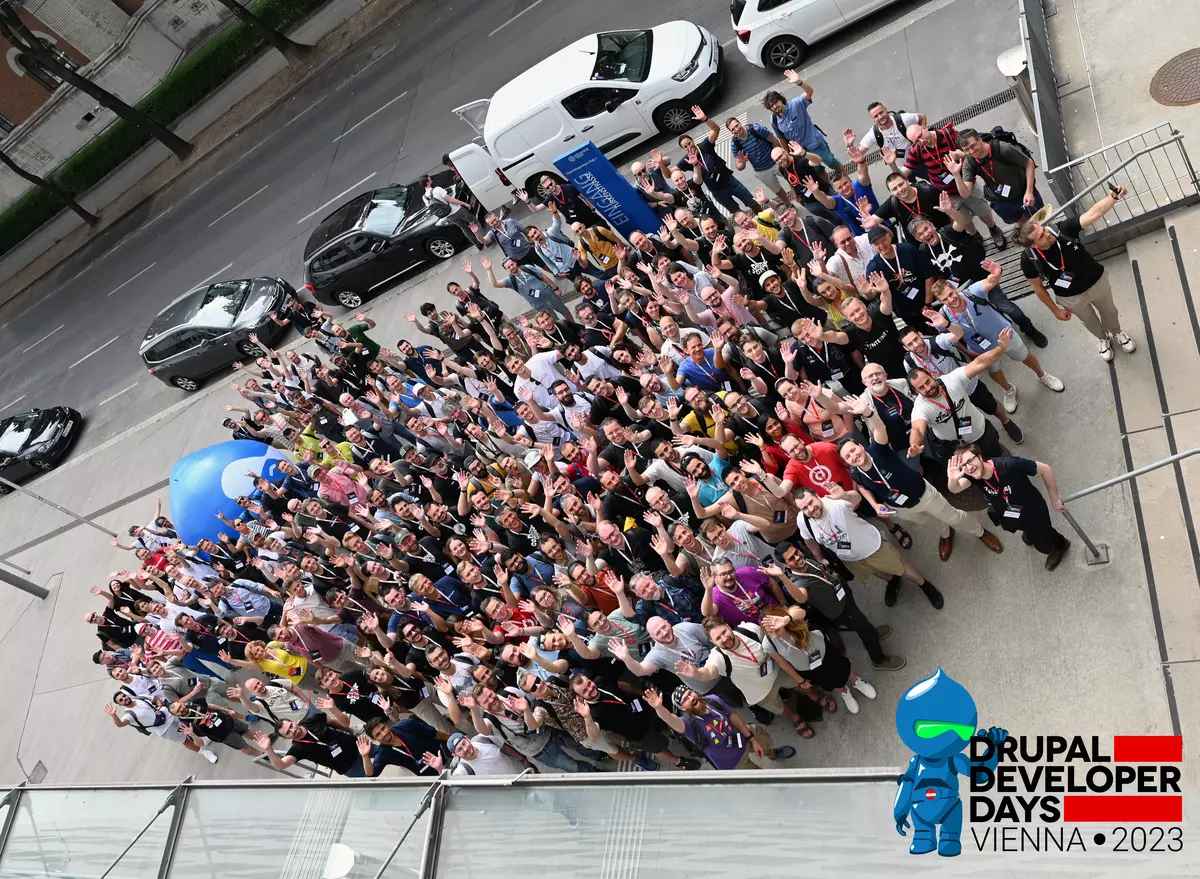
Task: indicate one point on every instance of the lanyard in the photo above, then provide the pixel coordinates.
(750, 657)
(875, 469)
(992, 163)
(765, 365)
(1062, 257)
(899, 402)
(914, 211)
(898, 267)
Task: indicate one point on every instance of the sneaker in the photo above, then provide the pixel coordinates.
(935, 597)
(762, 715)
(646, 764)
(851, 702)
(998, 238)
(883, 632)
(890, 663)
(1053, 382)
(1036, 336)
(1127, 344)
(1014, 432)
(1010, 399)
(892, 592)
(208, 755)
(865, 688)
(689, 764)
(1104, 347)
(784, 752)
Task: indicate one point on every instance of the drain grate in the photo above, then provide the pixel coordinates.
(1177, 83)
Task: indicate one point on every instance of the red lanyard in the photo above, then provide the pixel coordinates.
(949, 410)
(899, 403)
(997, 487)
(916, 201)
(992, 163)
(1062, 257)
(748, 658)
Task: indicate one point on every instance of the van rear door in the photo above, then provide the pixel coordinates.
(482, 176)
(474, 114)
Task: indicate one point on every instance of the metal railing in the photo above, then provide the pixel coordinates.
(1153, 165)
(1043, 87)
(1098, 552)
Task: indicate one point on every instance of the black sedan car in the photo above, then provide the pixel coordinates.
(359, 249)
(35, 441)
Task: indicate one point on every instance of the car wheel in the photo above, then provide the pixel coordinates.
(185, 384)
(42, 465)
(4, 489)
(349, 299)
(440, 248)
(250, 350)
(784, 53)
(674, 117)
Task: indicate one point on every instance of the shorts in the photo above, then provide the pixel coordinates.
(885, 562)
(971, 206)
(770, 180)
(772, 701)
(1017, 350)
(760, 735)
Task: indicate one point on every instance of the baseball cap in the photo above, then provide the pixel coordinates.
(452, 742)
(532, 457)
(878, 232)
(766, 276)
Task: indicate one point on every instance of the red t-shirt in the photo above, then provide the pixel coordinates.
(824, 466)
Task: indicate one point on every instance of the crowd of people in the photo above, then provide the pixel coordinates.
(624, 526)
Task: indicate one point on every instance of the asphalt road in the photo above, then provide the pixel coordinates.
(381, 113)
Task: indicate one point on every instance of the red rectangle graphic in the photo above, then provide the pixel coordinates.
(1147, 749)
(1122, 809)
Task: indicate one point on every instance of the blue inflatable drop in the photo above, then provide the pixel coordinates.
(206, 482)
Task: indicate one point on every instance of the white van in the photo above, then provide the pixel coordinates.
(615, 89)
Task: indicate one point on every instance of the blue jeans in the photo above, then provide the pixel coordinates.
(1015, 211)
(195, 659)
(555, 755)
(551, 300)
(825, 153)
(725, 192)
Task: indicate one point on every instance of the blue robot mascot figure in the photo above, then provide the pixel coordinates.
(936, 719)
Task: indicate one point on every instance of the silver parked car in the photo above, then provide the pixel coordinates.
(209, 328)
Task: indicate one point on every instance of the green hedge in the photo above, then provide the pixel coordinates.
(196, 77)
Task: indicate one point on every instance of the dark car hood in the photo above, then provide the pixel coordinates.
(265, 296)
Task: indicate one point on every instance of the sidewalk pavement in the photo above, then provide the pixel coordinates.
(1069, 652)
(259, 87)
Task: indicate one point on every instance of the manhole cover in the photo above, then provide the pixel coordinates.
(1177, 82)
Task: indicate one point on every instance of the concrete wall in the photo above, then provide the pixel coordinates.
(150, 44)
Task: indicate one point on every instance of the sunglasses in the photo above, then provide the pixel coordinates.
(931, 729)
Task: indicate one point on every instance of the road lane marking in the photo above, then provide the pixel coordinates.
(365, 119)
(12, 403)
(235, 207)
(336, 197)
(134, 278)
(515, 17)
(729, 42)
(306, 109)
(97, 351)
(209, 278)
(35, 304)
(117, 394)
(43, 338)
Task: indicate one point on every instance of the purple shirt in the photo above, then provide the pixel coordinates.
(749, 597)
(716, 735)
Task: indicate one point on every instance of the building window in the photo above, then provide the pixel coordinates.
(6, 124)
(45, 77)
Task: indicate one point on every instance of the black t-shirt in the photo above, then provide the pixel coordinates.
(828, 362)
(790, 305)
(416, 737)
(712, 166)
(360, 698)
(906, 274)
(631, 719)
(1066, 269)
(326, 745)
(613, 454)
(749, 268)
(816, 231)
(890, 478)
(895, 411)
(622, 503)
(880, 344)
(956, 257)
(210, 724)
(635, 557)
(573, 207)
(416, 656)
(901, 212)
(770, 370)
(1011, 497)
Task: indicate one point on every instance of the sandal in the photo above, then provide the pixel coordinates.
(805, 731)
(829, 704)
(902, 537)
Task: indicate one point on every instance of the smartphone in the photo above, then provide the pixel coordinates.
(1113, 189)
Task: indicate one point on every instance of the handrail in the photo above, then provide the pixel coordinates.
(1121, 167)
(1098, 557)
(1109, 146)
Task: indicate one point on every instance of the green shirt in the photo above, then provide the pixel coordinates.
(358, 333)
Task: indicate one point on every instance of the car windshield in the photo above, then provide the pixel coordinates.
(386, 210)
(220, 304)
(341, 220)
(623, 55)
(16, 433)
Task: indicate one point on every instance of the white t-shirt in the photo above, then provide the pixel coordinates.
(596, 365)
(437, 193)
(938, 417)
(746, 663)
(841, 530)
(490, 761)
(892, 136)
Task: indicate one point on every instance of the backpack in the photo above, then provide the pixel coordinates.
(745, 634)
(1005, 136)
(897, 120)
(437, 207)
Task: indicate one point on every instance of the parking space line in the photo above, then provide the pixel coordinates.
(235, 207)
(42, 339)
(97, 351)
(336, 197)
(117, 394)
(515, 17)
(134, 278)
(210, 277)
(12, 403)
(366, 118)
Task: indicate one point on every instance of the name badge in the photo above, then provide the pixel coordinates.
(295, 704)
(826, 428)
(1064, 280)
(952, 278)
(899, 499)
(814, 660)
(739, 741)
(964, 427)
(981, 341)
(780, 517)
(335, 750)
(836, 375)
(635, 706)
(947, 178)
(1003, 190)
(764, 670)
(912, 292)
(1011, 512)
(843, 544)
(424, 692)
(841, 593)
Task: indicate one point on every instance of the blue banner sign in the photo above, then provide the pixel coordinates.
(613, 197)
